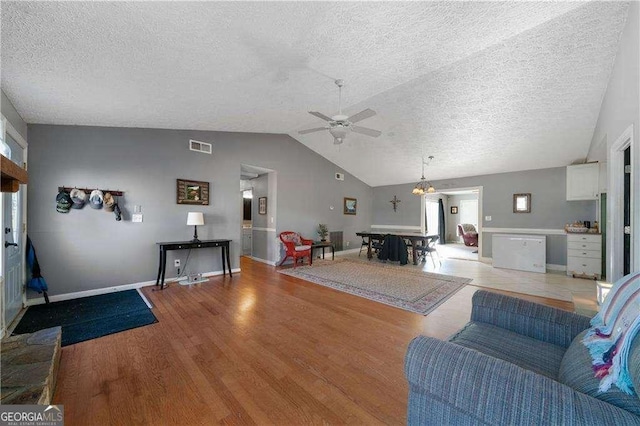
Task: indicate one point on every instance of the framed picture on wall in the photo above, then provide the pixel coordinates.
(454, 209)
(192, 192)
(262, 205)
(522, 203)
(350, 205)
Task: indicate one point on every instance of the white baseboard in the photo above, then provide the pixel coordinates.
(552, 267)
(268, 262)
(105, 290)
(353, 250)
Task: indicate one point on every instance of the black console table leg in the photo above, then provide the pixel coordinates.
(159, 266)
(227, 250)
(224, 266)
(163, 262)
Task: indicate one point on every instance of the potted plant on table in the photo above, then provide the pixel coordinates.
(323, 231)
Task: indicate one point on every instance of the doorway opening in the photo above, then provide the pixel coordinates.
(462, 209)
(247, 224)
(258, 190)
(623, 242)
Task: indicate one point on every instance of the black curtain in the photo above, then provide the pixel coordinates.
(441, 229)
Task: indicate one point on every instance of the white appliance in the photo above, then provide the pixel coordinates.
(521, 252)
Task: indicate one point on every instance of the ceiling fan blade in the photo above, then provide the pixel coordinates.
(320, 115)
(362, 115)
(316, 129)
(366, 131)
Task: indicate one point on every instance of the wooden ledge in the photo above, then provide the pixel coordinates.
(11, 175)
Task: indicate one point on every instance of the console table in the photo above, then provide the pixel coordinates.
(187, 245)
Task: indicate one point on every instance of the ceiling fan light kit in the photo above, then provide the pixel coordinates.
(341, 125)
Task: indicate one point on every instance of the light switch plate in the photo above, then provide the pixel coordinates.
(487, 218)
(136, 218)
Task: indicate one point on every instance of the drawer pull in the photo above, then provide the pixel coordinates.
(584, 254)
(584, 264)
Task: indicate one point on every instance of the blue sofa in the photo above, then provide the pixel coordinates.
(515, 363)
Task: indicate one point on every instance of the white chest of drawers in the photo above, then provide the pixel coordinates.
(584, 255)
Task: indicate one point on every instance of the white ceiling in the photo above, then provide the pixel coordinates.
(484, 87)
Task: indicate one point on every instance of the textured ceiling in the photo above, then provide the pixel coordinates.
(484, 87)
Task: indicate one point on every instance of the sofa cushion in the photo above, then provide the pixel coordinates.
(526, 352)
(576, 372)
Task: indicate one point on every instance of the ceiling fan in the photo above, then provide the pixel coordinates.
(341, 125)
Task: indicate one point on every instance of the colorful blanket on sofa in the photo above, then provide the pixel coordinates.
(613, 329)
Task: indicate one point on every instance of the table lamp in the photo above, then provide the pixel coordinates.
(195, 219)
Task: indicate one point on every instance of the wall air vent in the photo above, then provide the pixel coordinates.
(200, 146)
(339, 176)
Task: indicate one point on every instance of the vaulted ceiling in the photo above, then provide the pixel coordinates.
(485, 87)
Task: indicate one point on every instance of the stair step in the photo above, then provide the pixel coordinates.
(29, 364)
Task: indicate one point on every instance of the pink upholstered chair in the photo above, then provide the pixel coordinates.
(296, 247)
(469, 234)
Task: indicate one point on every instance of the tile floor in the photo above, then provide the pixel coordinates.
(556, 285)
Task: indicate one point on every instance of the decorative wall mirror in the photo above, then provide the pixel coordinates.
(522, 203)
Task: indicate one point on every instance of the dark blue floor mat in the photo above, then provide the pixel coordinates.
(89, 317)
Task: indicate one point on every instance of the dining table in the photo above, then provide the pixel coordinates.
(415, 238)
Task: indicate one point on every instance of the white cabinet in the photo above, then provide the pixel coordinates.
(584, 255)
(583, 181)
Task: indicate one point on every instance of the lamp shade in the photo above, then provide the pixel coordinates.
(195, 218)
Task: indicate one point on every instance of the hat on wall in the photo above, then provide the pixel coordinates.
(78, 197)
(63, 202)
(109, 201)
(96, 199)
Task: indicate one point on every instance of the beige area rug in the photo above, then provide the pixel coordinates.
(398, 286)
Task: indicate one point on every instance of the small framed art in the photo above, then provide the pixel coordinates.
(350, 205)
(192, 192)
(262, 205)
(522, 203)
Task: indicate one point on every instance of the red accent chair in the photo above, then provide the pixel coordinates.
(296, 247)
(469, 234)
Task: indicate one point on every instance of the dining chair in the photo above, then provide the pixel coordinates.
(429, 247)
(365, 244)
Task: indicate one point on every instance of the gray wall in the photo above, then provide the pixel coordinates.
(10, 113)
(407, 212)
(549, 208)
(87, 249)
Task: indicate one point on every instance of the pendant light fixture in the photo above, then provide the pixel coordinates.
(424, 187)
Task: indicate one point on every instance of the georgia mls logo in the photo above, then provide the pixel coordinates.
(31, 415)
(54, 407)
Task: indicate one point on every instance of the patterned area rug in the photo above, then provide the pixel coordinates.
(404, 288)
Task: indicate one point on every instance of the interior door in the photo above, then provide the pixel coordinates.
(12, 259)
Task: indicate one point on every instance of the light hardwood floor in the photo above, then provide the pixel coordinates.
(258, 348)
